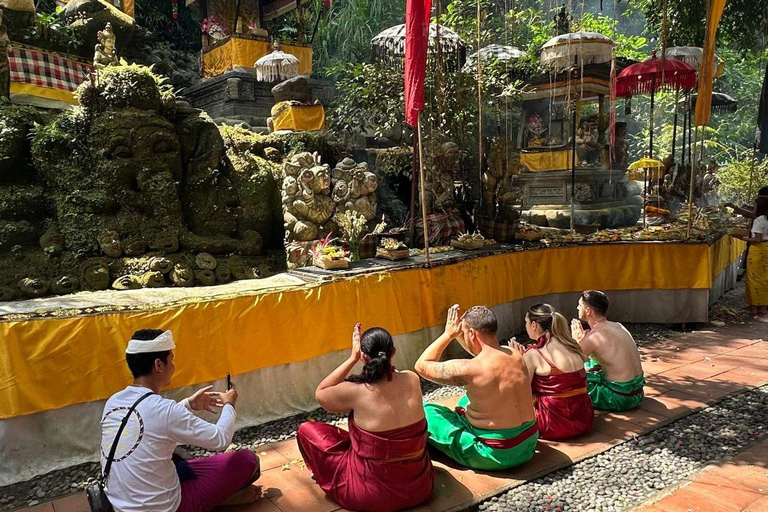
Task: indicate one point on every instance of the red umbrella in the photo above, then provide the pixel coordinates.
(654, 75)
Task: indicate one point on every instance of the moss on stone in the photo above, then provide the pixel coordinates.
(121, 87)
(15, 124)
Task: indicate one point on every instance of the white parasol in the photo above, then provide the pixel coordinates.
(391, 42)
(276, 66)
(575, 49)
(493, 53)
(692, 55)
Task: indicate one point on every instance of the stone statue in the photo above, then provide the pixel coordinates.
(160, 264)
(498, 180)
(445, 168)
(152, 279)
(51, 242)
(109, 242)
(205, 277)
(307, 205)
(354, 188)
(127, 282)
(64, 284)
(563, 21)
(33, 287)
(105, 53)
(620, 147)
(5, 63)
(183, 275)
(587, 148)
(95, 274)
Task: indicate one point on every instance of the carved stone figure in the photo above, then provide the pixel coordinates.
(166, 241)
(498, 180)
(446, 166)
(109, 241)
(354, 188)
(584, 193)
(152, 279)
(105, 53)
(51, 242)
(563, 21)
(620, 147)
(65, 284)
(238, 268)
(95, 274)
(5, 64)
(307, 206)
(183, 275)
(127, 282)
(205, 261)
(134, 246)
(32, 287)
(160, 264)
(223, 274)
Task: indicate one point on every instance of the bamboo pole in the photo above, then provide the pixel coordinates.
(479, 105)
(423, 191)
(690, 189)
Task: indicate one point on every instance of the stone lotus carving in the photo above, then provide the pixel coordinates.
(206, 277)
(307, 206)
(354, 188)
(65, 284)
(95, 274)
(105, 53)
(32, 287)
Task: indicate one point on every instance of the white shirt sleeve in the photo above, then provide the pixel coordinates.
(184, 427)
(760, 225)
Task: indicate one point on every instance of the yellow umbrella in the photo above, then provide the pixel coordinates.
(641, 169)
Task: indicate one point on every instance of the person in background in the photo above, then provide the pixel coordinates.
(143, 476)
(756, 292)
(615, 373)
(747, 213)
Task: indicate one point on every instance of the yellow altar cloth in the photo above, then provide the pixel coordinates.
(242, 52)
(53, 362)
(301, 119)
(539, 161)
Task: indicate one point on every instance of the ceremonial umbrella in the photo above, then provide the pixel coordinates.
(721, 102)
(494, 53)
(390, 43)
(276, 66)
(654, 75)
(692, 55)
(576, 48)
(640, 169)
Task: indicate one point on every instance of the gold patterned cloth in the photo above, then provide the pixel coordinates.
(757, 275)
(301, 119)
(243, 53)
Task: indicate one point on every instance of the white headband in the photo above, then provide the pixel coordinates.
(160, 344)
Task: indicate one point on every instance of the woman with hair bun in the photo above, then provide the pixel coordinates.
(558, 380)
(381, 464)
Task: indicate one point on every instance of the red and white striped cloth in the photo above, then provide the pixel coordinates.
(38, 67)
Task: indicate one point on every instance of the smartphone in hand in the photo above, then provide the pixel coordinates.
(229, 382)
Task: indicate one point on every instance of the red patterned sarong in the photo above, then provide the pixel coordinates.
(369, 471)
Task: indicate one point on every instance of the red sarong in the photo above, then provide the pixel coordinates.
(369, 471)
(563, 407)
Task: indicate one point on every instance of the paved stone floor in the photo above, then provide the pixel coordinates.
(684, 375)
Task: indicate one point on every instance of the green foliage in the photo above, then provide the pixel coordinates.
(742, 27)
(344, 34)
(735, 178)
(129, 86)
(53, 33)
(629, 46)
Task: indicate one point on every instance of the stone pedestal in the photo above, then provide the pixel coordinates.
(236, 97)
(601, 199)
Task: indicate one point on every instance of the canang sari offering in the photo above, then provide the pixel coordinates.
(369, 471)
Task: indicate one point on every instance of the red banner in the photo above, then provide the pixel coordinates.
(417, 14)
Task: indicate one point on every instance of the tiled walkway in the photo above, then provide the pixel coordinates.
(737, 485)
(683, 375)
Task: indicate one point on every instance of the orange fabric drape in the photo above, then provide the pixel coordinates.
(128, 7)
(707, 71)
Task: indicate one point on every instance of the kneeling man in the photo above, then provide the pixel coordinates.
(143, 475)
(494, 425)
(614, 373)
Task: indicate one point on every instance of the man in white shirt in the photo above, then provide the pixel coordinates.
(143, 476)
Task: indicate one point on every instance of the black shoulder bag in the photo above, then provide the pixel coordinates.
(97, 498)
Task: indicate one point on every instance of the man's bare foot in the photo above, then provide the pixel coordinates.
(249, 494)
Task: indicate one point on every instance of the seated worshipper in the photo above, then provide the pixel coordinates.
(142, 476)
(494, 426)
(381, 464)
(757, 261)
(559, 382)
(615, 374)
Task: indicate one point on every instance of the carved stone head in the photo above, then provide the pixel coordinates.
(109, 241)
(127, 282)
(96, 274)
(65, 284)
(51, 242)
(183, 275)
